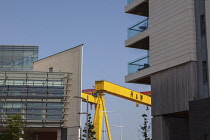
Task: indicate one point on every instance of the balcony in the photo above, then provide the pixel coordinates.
(138, 65)
(137, 7)
(138, 35)
(138, 28)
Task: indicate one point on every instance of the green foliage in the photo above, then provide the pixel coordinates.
(15, 129)
(91, 132)
(145, 128)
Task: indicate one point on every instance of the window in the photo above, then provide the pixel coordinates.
(51, 69)
(203, 26)
(205, 72)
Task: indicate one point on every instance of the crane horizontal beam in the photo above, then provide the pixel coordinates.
(122, 92)
(89, 97)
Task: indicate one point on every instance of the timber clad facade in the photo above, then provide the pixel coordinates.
(177, 38)
(173, 88)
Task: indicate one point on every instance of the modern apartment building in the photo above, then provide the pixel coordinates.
(42, 91)
(176, 35)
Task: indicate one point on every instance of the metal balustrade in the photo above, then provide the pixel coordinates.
(129, 1)
(138, 65)
(138, 28)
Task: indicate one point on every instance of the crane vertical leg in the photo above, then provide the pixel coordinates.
(98, 118)
(100, 113)
(106, 119)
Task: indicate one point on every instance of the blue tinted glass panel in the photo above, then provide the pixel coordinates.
(138, 28)
(138, 65)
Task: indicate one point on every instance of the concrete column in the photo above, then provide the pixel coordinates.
(72, 133)
(160, 129)
(59, 134)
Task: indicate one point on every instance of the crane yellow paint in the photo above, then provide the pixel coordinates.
(122, 92)
(116, 90)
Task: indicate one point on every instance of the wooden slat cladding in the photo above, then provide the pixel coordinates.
(168, 128)
(160, 129)
(173, 88)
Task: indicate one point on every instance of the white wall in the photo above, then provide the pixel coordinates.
(67, 61)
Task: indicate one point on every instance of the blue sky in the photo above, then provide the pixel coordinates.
(57, 25)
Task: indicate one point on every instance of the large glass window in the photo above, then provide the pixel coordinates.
(34, 95)
(17, 58)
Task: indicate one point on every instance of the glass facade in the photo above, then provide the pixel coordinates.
(37, 96)
(17, 58)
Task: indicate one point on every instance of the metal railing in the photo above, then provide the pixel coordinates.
(138, 28)
(138, 65)
(129, 1)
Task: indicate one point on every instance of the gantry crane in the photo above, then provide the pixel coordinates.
(102, 87)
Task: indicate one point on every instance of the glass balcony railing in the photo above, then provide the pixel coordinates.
(138, 28)
(129, 1)
(138, 65)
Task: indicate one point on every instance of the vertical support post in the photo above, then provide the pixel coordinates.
(87, 135)
(59, 134)
(120, 129)
(80, 133)
(37, 136)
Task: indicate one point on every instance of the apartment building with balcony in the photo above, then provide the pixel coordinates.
(176, 35)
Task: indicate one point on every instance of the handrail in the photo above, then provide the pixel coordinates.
(129, 1)
(138, 64)
(138, 28)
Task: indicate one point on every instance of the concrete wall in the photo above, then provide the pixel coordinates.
(67, 61)
(172, 33)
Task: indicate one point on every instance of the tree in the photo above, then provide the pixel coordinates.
(91, 132)
(145, 128)
(15, 129)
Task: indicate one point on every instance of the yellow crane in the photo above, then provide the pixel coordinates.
(116, 90)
